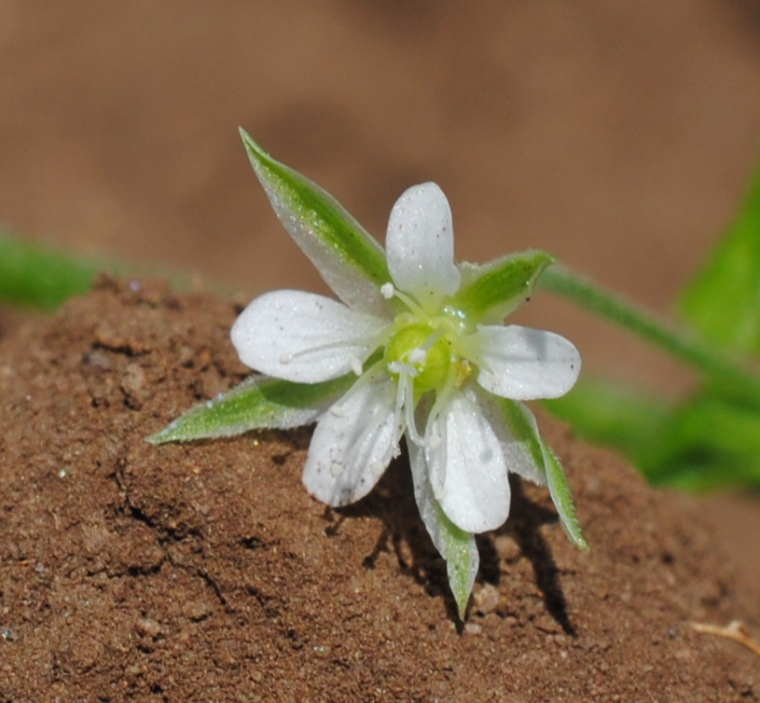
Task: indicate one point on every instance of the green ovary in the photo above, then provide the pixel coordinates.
(425, 351)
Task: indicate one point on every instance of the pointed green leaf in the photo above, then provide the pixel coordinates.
(457, 548)
(562, 498)
(259, 402)
(523, 427)
(723, 300)
(349, 259)
(491, 291)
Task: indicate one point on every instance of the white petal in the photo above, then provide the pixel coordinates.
(420, 246)
(303, 337)
(523, 363)
(467, 463)
(354, 442)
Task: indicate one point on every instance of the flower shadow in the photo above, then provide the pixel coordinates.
(404, 535)
(524, 527)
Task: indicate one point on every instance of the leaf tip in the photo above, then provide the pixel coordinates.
(254, 149)
(462, 600)
(167, 434)
(155, 439)
(580, 541)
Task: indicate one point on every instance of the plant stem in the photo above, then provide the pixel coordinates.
(676, 341)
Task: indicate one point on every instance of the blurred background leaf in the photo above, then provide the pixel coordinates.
(710, 439)
(33, 276)
(722, 302)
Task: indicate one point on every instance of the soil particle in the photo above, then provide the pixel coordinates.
(205, 572)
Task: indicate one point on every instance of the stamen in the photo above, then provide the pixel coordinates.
(324, 347)
(401, 368)
(337, 410)
(406, 388)
(388, 291)
(435, 335)
(417, 356)
(442, 396)
(368, 346)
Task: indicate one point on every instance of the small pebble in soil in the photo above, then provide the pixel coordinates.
(8, 635)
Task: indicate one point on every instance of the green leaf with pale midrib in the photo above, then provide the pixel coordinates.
(257, 403)
(349, 259)
(523, 428)
(495, 289)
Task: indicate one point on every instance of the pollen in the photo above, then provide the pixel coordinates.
(464, 371)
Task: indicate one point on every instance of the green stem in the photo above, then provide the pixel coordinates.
(678, 342)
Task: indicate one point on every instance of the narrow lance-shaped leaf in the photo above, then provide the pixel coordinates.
(562, 498)
(523, 426)
(458, 548)
(723, 300)
(349, 259)
(490, 292)
(257, 403)
(462, 560)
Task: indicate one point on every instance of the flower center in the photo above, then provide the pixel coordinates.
(423, 353)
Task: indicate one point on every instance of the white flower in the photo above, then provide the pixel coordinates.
(424, 367)
(414, 345)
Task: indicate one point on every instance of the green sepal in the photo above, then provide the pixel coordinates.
(524, 429)
(489, 292)
(462, 560)
(458, 548)
(260, 402)
(562, 498)
(349, 259)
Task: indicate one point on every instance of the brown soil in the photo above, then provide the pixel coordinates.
(204, 572)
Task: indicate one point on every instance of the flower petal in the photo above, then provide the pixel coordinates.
(354, 441)
(523, 363)
(303, 337)
(420, 246)
(465, 458)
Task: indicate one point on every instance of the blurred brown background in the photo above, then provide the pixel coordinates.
(619, 136)
(616, 135)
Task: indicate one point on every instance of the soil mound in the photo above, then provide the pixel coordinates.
(204, 572)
